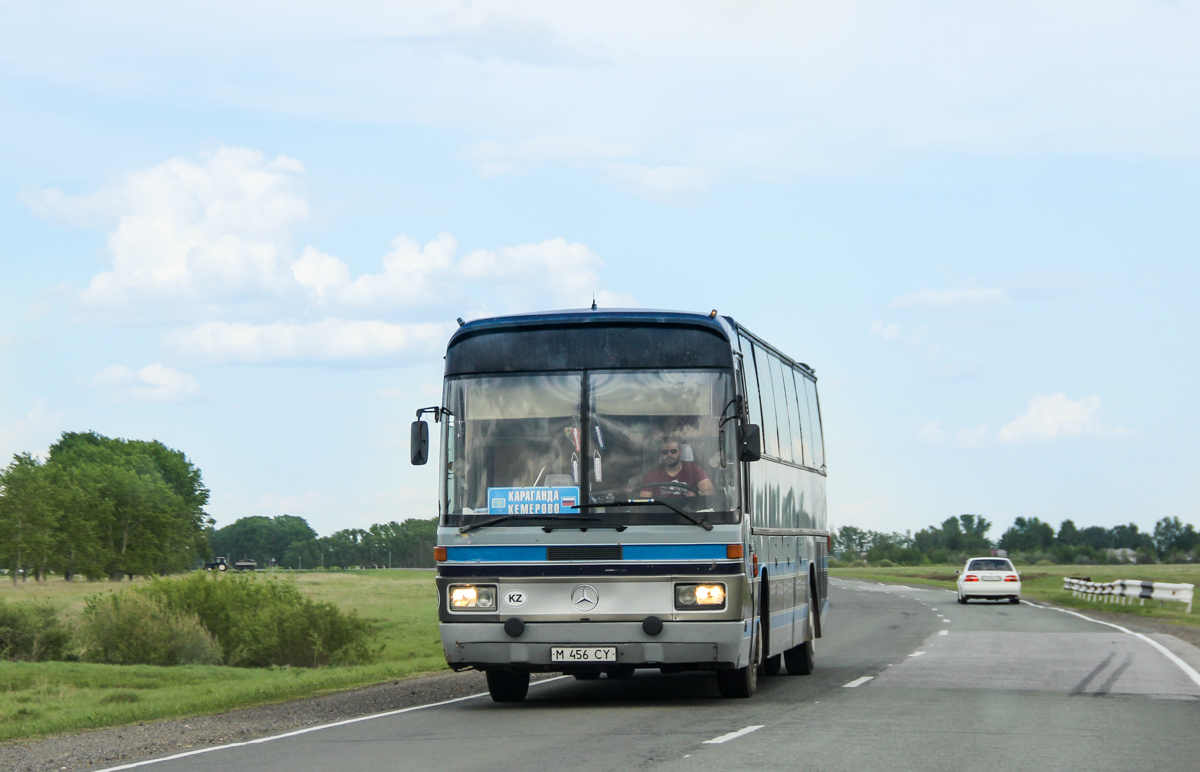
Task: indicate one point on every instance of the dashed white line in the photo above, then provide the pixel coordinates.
(857, 682)
(943, 632)
(733, 735)
(916, 654)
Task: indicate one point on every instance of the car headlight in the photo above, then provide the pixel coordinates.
(472, 597)
(698, 596)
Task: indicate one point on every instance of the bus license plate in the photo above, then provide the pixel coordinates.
(583, 654)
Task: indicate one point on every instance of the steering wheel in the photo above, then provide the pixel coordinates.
(670, 485)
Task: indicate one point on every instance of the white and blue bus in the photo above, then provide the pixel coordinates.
(624, 490)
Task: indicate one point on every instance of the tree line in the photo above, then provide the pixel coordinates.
(288, 541)
(101, 508)
(1028, 539)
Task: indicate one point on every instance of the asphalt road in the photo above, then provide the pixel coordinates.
(906, 679)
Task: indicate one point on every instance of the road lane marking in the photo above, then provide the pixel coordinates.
(1187, 669)
(916, 654)
(945, 621)
(727, 737)
(857, 682)
(308, 729)
(943, 632)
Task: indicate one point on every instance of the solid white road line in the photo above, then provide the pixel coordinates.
(306, 730)
(733, 735)
(1187, 669)
(857, 682)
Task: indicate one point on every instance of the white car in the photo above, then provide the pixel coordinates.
(989, 579)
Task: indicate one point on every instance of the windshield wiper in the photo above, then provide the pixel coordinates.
(650, 502)
(500, 519)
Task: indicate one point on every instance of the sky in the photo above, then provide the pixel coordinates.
(246, 230)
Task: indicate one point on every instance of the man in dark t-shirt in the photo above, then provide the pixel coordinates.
(673, 469)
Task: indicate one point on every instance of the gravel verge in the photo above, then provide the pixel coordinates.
(110, 747)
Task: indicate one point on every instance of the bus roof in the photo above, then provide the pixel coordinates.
(723, 326)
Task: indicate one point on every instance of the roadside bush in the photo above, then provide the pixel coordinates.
(31, 633)
(262, 622)
(130, 628)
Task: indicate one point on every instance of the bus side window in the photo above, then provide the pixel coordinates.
(766, 385)
(752, 396)
(810, 391)
(784, 411)
(789, 388)
(805, 423)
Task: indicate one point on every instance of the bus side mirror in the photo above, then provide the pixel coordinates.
(749, 442)
(419, 449)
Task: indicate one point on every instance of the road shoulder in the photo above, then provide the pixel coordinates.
(104, 747)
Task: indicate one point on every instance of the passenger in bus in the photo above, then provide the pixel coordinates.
(673, 476)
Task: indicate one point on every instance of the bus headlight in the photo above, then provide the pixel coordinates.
(696, 596)
(472, 597)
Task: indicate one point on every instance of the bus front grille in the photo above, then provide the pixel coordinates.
(585, 552)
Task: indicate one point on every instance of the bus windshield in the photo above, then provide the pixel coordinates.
(525, 446)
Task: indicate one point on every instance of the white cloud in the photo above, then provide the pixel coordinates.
(329, 340)
(1056, 417)
(191, 238)
(963, 299)
(211, 244)
(527, 277)
(31, 433)
(153, 383)
(767, 86)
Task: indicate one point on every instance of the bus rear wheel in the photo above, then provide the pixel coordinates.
(742, 682)
(507, 685)
(802, 659)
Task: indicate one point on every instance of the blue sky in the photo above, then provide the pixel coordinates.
(245, 229)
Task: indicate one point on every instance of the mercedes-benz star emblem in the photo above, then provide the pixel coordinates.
(585, 597)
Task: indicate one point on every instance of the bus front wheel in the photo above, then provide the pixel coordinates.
(742, 681)
(507, 685)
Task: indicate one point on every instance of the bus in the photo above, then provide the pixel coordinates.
(627, 489)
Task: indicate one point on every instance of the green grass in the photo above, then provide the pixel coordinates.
(44, 698)
(1045, 583)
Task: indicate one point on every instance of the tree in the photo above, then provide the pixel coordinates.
(262, 539)
(27, 519)
(1171, 535)
(142, 501)
(853, 539)
(1068, 534)
(1027, 535)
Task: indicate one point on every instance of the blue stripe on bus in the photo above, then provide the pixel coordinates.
(529, 554)
(675, 552)
(496, 554)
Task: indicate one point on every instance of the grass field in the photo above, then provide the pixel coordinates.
(53, 697)
(1045, 583)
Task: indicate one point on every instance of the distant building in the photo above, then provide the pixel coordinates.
(1124, 554)
(998, 553)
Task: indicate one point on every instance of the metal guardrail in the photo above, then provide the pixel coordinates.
(1123, 591)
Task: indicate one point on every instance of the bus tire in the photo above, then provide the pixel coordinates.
(772, 665)
(507, 685)
(742, 682)
(802, 659)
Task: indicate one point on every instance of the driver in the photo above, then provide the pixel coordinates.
(673, 469)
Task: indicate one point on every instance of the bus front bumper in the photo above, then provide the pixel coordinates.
(682, 645)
